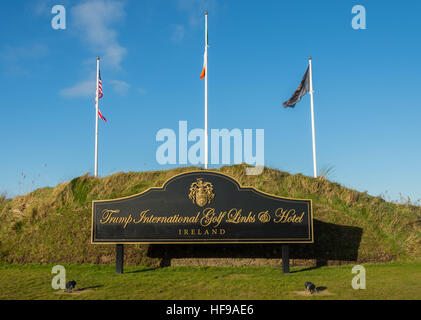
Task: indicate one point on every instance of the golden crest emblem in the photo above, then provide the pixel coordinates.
(201, 192)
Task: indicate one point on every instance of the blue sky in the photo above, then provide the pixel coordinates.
(366, 82)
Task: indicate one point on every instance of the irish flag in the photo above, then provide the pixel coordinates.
(203, 74)
(205, 56)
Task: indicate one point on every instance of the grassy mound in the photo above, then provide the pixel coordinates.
(53, 225)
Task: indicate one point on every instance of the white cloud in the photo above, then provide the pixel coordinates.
(142, 91)
(83, 89)
(120, 87)
(87, 88)
(94, 20)
(178, 33)
(196, 9)
(23, 52)
(15, 59)
(42, 7)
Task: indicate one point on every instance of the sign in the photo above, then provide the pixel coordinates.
(202, 207)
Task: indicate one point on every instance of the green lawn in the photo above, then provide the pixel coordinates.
(384, 281)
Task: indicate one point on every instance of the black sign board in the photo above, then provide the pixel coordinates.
(202, 207)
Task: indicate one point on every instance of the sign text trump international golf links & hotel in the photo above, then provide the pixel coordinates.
(202, 207)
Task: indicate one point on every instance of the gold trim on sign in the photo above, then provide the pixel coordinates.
(224, 242)
(240, 188)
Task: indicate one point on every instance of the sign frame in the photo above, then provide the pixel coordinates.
(240, 188)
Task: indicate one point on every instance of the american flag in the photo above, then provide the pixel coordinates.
(100, 95)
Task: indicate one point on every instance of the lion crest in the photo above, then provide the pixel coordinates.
(201, 192)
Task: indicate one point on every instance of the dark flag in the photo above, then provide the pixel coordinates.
(301, 91)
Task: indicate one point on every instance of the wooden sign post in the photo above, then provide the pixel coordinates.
(119, 258)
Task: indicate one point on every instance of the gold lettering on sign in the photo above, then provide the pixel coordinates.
(287, 216)
(235, 216)
(108, 216)
(147, 217)
(210, 217)
(201, 232)
(264, 216)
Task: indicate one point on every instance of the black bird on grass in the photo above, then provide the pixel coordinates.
(70, 286)
(310, 287)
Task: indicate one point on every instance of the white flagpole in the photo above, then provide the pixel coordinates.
(206, 91)
(312, 121)
(96, 117)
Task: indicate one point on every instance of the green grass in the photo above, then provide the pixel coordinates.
(383, 281)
